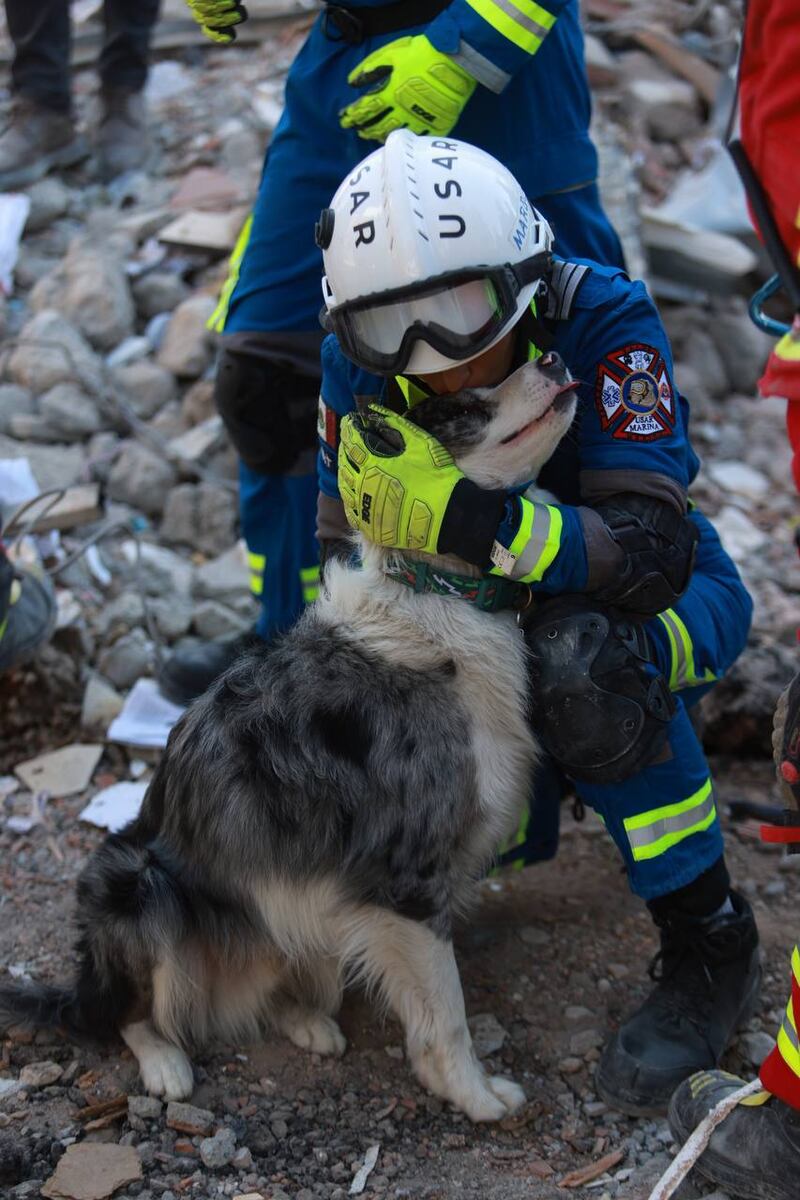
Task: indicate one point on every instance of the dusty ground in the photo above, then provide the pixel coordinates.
(557, 953)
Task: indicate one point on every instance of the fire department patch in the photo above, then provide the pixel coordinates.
(633, 394)
(328, 424)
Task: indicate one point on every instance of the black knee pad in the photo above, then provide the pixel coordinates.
(596, 704)
(269, 409)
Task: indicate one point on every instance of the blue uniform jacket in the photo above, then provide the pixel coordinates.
(630, 432)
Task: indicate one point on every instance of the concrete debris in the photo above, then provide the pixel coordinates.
(158, 292)
(101, 704)
(186, 1118)
(92, 1171)
(146, 386)
(40, 1074)
(218, 1151)
(226, 577)
(186, 350)
(202, 516)
(141, 478)
(130, 657)
(488, 1034)
(62, 772)
(49, 351)
(90, 289)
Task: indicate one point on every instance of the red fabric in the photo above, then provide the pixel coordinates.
(769, 106)
(776, 1075)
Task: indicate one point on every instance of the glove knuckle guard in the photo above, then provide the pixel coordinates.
(596, 708)
(269, 412)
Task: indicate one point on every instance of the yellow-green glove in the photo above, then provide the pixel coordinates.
(410, 84)
(218, 18)
(402, 489)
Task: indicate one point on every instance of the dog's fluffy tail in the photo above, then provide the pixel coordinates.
(41, 1006)
(129, 912)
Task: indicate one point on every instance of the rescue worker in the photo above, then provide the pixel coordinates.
(509, 77)
(755, 1152)
(637, 609)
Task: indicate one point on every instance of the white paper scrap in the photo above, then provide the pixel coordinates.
(146, 717)
(115, 806)
(14, 209)
(363, 1173)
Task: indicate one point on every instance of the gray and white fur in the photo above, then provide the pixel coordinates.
(323, 813)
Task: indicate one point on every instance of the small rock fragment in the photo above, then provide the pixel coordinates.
(92, 1171)
(488, 1035)
(186, 1118)
(186, 349)
(146, 1107)
(217, 1151)
(141, 478)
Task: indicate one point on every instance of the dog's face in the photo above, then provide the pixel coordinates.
(502, 437)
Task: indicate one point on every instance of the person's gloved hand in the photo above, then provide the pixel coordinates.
(402, 489)
(218, 18)
(786, 743)
(409, 84)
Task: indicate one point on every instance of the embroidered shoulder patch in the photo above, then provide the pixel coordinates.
(633, 394)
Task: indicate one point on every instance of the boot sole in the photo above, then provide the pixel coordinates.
(717, 1171)
(66, 156)
(630, 1104)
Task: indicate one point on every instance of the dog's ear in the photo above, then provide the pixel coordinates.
(458, 422)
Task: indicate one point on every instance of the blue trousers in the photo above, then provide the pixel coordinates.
(664, 819)
(538, 127)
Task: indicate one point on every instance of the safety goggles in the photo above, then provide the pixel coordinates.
(459, 314)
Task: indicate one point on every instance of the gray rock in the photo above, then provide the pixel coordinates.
(224, 578)
(53, 466)
(700, 353)
(128, 659)
(158, 292)
(186, 349)
(9, 1090)
(142, 478)
(71, 411)
(740, 479)
(668, 107)
(31, 427)
(50, 199)
(202, 516)
(40, 1074)
(172, 617)
(147, 1108)
(756, 1046)
(101, 704)
(131, 350)
(738, 712)
(216, 1152)
(488, 1035)
(570, 1065)
(577, 1012)
(146, 386)
(198, 404)
(242, 1159)
(120, 615)
(91, 289)
(163, 573)
(742, 346)
(50, 351)
(14, 401)
(693, 389)
(32, 266)
(584, 1040)
(213, 620)
(187, 1118)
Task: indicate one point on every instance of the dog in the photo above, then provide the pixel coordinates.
(324, 812)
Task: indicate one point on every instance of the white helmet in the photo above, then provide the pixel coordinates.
(432, 253)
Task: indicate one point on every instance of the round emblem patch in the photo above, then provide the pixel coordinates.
(639, 393)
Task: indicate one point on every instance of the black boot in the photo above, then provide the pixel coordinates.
(192, 668)
(755, 1152)
(708, 983)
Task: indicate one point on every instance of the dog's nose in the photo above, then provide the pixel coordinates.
(552, 365)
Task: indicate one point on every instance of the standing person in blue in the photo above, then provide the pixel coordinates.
(507, 76)
(632, 607)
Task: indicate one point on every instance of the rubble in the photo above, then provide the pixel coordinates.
(130, 408)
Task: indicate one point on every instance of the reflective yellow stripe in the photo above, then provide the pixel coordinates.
(789, 1043)
(256, 563)
(796, 965)
(651, 834)
(412, 392)
(788, 348)
(309, 581)
(683, 673)
(216, 322)
(3, 625)
(523, 22)
(543, 545)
